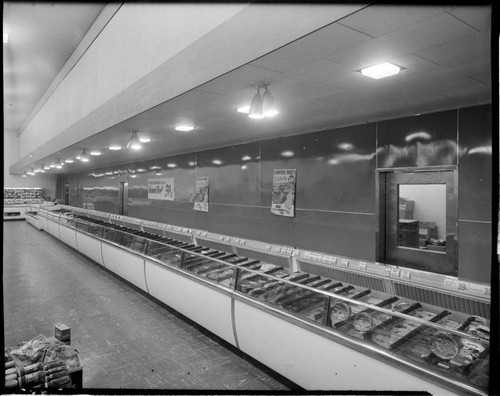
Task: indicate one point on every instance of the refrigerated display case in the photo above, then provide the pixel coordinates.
(283, 307)
(16, 199)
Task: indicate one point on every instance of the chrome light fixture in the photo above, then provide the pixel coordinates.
(84, 156)
(24, 174)
(256, 106)
(58, 164)
(268, 104)
(134, 142)
(261, 106)
(42, 168)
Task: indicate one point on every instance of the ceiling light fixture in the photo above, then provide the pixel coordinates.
(184, 128)
(42, 168)
(69, 161)
(52, 165)
(261, 106)
(58, 164)
(381, 70)
(46, 167)
(95, 152)
(134, 143)
(115, 147)
(172, 165)
(24, 174)
(84, 157)
(268, 104)
(144, 139)
(32, 172)
(256, 106)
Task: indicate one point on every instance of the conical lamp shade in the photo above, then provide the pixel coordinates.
(256, 106)
(268, 105)
(84, 156)
(134, 142)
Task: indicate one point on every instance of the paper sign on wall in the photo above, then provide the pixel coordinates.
(201, 196)
(283, 199)
(161, 189)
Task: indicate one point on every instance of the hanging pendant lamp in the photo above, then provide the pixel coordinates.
(84, 157)
(134, 142)
(256, 106)
(268, 104)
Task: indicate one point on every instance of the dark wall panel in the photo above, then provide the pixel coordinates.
(475, 161)
(424, 140)
(348, 234)
(474, 251)
(336, 177)
(169, 212)
(235, 220)
(102, 193)
(179, 212)
(335, 168)
(233, 174)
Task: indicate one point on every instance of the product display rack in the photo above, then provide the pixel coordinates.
(16, 198)
(319, 331)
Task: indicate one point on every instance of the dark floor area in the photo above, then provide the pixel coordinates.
(125, 339)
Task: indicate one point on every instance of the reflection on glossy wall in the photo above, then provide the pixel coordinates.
(336, 191)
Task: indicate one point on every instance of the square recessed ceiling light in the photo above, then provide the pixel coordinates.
(381, 70)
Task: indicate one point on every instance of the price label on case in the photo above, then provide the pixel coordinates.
(394, 272)
(405, 275)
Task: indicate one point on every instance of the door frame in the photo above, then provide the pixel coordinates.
(420, 259)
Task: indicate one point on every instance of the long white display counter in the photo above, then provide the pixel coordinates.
(282, 317)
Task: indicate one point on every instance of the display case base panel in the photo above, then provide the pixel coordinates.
(53, 228)
(202, 304)
(125, 264)
(34, 221)
(68, 235)
(90, 247)
(314, 362)
(42, 221)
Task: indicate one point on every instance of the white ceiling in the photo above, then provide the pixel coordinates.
(445, 52)
(42, 36)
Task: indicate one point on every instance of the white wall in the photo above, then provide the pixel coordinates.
(47, 182)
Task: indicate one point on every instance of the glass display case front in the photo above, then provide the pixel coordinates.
(446, 344)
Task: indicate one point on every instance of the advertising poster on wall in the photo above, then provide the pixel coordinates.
(163, 189)
(283, 200)
(201, 196)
